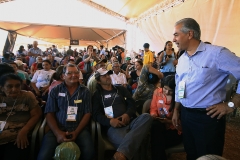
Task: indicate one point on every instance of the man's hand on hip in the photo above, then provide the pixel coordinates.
(219, 110)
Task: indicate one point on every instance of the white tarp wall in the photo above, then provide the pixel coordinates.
(219, 21)
(135, 38)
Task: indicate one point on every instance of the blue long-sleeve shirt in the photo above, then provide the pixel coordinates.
(205, 74)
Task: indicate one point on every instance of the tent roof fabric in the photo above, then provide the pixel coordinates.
(128, 8)
(48, 32)
(3, 1)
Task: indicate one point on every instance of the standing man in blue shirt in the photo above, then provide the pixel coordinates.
(68, 112)
(33, 53)
(201, 76)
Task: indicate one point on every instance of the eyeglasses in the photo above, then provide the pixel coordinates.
(72, 73)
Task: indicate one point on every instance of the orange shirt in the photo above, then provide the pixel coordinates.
(159, 100)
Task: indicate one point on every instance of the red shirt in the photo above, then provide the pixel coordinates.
(81, 65)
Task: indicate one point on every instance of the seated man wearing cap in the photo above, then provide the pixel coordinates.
(20, 69)
(148, 55)
(125, 65)
(117, 77)
(21, 75)
(91, 83)
(114, 109)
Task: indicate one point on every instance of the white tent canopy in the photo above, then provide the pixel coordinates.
(53, 32)
(59, 21)
(58, 12)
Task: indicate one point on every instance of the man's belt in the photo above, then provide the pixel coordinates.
(203, 110)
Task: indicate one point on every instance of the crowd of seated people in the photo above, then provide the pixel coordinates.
(47, 74)
(109, 86)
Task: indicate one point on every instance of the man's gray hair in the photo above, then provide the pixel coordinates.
(189, 24)
(69, 65)
(35, 42)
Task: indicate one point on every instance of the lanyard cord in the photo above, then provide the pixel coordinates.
(11, 109)
(68, 99)
(112, 101)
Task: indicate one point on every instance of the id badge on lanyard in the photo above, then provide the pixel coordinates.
(71, 113)
(181, 89)
(108, 112)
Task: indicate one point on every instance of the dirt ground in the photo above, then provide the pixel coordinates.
(232, 141)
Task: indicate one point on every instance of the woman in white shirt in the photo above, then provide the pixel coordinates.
(41, 79)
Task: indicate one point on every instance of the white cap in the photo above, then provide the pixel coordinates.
(101, 72)
(19, 63)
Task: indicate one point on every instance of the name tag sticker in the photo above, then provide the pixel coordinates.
(61, 94)
(2, 125)
(181, 89)
(160, 101)
(71, 117)
(78, 101)
(72, 110)
(107, 96)
(3, 105)
(108, 112)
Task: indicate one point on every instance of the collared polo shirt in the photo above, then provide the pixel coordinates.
(58, 103)
(119, 78)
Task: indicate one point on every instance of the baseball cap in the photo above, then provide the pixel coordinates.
(102, 72)
(128, 58)
(19, 63)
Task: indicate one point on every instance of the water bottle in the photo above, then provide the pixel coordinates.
(161, 113)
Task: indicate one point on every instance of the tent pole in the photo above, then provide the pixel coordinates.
(70, 33)
(118, 36)
(10, 42)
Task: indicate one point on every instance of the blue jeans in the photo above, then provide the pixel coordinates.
(84, 142)
(202, 134)
(128, 139)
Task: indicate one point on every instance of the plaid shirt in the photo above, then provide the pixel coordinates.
(59, 104)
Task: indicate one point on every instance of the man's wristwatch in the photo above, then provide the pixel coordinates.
(231, 105)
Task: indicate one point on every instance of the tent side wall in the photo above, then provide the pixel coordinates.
(219, 22)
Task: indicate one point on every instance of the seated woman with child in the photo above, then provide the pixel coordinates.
(163, 133)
